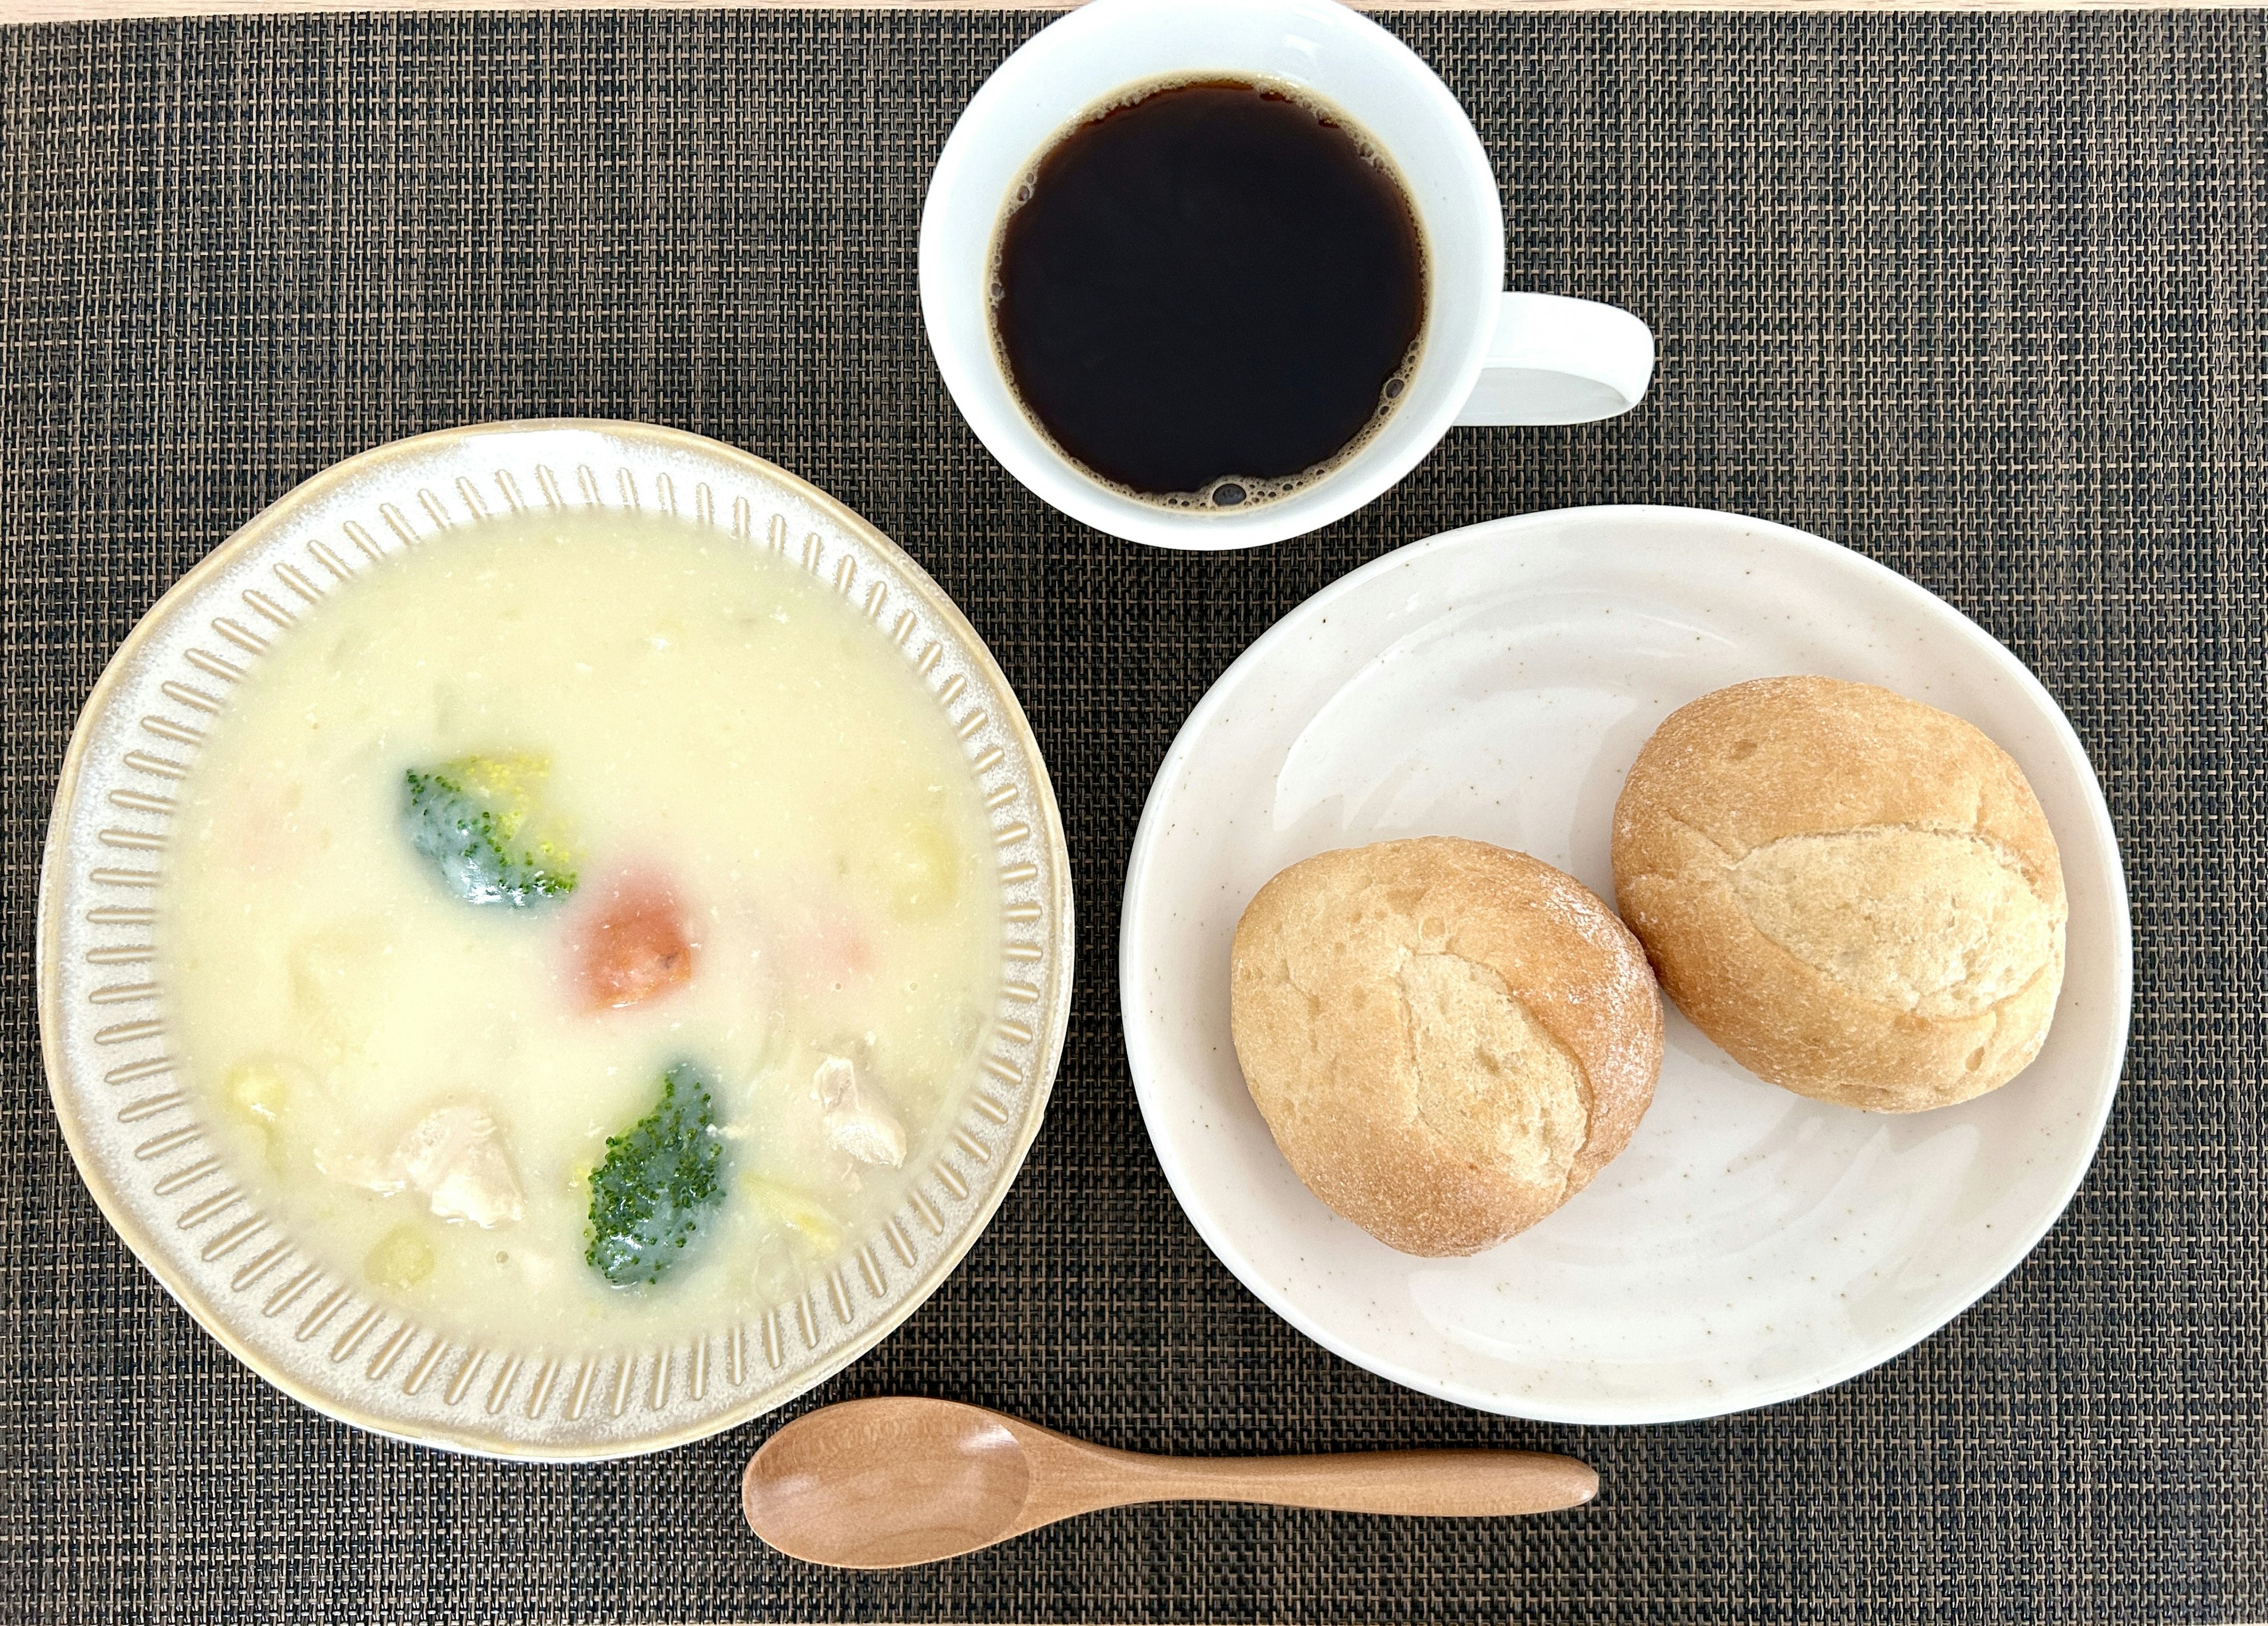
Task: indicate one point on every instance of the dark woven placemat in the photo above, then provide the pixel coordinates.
(1984, 296)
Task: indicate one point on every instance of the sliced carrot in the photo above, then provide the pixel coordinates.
(632, 945)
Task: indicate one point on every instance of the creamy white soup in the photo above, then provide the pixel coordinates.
(581, 928)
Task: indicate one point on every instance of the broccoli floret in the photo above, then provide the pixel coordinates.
(480, 820)
(659, 1182)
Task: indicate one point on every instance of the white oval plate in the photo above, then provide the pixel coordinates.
(280, 1306)
(1497, 682)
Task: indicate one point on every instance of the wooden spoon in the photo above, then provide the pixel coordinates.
(874, 1485)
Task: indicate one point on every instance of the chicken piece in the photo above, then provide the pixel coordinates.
(854, 1124)
(451, 1159)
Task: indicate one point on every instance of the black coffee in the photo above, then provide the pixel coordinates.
(1210, 292)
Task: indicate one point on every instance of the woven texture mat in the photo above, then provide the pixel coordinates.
(1985, 298)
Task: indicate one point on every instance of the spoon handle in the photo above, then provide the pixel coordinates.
(1461, 1485)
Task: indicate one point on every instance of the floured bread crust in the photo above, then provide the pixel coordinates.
(1447, 1038)
(1855, 894)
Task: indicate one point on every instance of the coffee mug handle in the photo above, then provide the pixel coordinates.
(1561, 360)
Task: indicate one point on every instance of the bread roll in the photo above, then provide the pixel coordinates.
(1447, 1040)
(1855, 894)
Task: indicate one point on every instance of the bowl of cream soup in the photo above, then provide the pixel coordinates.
(554, 938)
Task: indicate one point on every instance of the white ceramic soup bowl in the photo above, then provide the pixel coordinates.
(301, 1320)
(1486, 355)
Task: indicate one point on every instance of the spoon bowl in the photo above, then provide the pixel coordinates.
(877, 1484)
(880, 1483)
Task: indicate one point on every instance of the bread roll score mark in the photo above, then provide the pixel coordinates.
(1938, 922)
(1487, 1076)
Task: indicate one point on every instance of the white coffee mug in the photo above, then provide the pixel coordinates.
(1487, 357)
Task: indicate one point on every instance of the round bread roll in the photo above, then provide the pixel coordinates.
(1855, 894)
(1447, 1040)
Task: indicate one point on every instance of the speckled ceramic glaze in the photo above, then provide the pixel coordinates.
(1497, 682)
(317, 1332)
